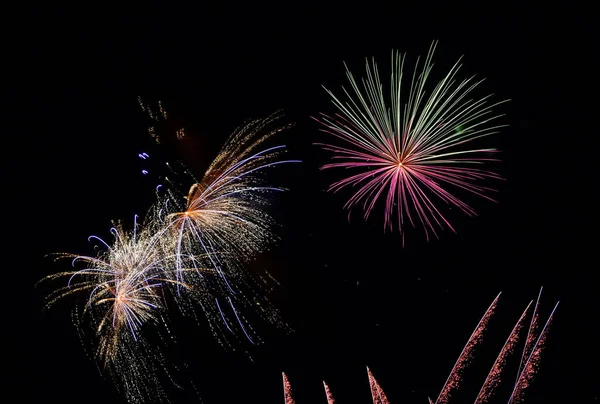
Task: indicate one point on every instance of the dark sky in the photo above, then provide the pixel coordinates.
(354, 296)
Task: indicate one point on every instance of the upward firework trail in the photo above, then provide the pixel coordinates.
(330, 399)
(465, 356)
(493, 377)
(532, 334)
(531, 364)
(411, 149)
(526, 371)
(531, 352)
(287, 390)
(377, 393)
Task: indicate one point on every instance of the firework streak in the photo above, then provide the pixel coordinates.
(330, 399)
(415, 149)
(377, 393)
(287, 391)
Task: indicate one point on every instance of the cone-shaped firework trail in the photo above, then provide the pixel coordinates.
(330, 399)
(530, 366)
(379, 396)
(287, 390)
(455, 375)
(532, 334)
(493, 377)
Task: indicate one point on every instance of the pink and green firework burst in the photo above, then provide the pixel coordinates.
(413, 149)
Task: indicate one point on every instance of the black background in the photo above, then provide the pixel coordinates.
(353, 295)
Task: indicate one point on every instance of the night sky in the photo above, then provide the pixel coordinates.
(354, 296)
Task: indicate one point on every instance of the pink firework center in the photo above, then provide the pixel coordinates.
(413, 151)
(529, 361)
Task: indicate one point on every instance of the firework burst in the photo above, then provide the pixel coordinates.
(288, 396)
(415, 149)
(225, 210)
(189, 252)
(330, 399)
(531, 356)
(125, 287)
(377, 393)
(223, 222)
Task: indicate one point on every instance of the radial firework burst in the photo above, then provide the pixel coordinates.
(124, 286)
(225, 210)
(412, 148)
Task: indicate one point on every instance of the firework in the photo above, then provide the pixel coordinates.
(125, 288)
(465, 356)
(529, 368)
(415, 149)
(223, 222)
(288, 397)
(526, 370)
(493, 377)
(330, 399)
(532, 333)
(377, 393)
